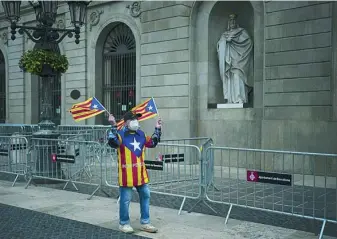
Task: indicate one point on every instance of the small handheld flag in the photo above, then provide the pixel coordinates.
(148, 109)
(87, 109)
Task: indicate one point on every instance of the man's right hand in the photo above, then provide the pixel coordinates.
(112, 120)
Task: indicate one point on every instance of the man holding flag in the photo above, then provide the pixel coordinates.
(130, 143)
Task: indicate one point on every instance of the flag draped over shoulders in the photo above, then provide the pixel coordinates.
(131, 154)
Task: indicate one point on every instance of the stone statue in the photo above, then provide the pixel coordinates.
(235, 49)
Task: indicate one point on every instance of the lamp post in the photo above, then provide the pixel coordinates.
(45, 36)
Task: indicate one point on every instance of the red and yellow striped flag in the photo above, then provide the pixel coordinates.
(87, 109)
(148, 109)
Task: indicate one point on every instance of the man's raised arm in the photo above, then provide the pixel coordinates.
(113, 140)
(151, 142)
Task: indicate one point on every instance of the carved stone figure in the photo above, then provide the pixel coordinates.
(235, 49)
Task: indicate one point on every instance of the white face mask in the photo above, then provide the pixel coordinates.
(133, 125)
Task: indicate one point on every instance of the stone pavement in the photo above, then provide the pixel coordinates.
(103, 212)
(16, 222)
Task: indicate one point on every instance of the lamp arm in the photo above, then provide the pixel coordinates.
(30, 36)
(67, 33)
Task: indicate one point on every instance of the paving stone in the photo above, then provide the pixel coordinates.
(18, 222)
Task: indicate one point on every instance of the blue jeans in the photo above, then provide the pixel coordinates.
(125, 194)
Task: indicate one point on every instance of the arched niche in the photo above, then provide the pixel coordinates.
(3, 89)
(98, 74)
(5, 77)
(217, 25)
(208, 21)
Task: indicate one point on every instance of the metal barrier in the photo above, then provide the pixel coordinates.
(198, 141)
(206, 172)
(71, 161)
(9, 129)
(291, 183)
(13, 155)
(91, 132)
(173, 169)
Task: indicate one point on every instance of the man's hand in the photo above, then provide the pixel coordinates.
(159, 123)
(112, 120)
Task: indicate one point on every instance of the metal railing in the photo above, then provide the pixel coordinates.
(90, 132)
(70, 161)
(179, 174)
(290, 183)
(14, 155)
(24, 129)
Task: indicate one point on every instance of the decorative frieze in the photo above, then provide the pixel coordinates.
(94, 18)
(4, 37)
(134, 9)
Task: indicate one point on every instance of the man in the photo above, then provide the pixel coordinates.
(130, 143)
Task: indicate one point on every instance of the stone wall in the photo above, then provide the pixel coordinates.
(76, 77)
(299, 78)
(16, 83)
(298, 61)
(165, 62)
(294, 82)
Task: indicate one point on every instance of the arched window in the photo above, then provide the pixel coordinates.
(54, 90)
(119, 70)
(2, 89)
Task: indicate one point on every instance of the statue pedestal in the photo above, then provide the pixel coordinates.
(227, 106)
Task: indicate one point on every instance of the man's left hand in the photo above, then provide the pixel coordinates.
(159, 123)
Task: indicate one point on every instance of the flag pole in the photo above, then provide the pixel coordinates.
(103, 106)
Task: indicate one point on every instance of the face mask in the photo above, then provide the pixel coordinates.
(134, 125)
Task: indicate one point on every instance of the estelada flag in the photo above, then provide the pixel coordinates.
(87, 109)
(148, 109)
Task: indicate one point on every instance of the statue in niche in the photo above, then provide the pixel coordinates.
(235, 49)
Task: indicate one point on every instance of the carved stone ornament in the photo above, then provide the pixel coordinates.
(94, 18)
(4, 37)
(134, 9)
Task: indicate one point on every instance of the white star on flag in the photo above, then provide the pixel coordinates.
(150, 107)
(95, 106)
(135, 145)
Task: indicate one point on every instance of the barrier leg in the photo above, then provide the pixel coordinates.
(322, 230)
(93, 193)
(71, 183)
(28, 183)
(216, 189)
(181, 206)
(228, 213)
(106, 194)
(202, 199)
(16, 178)
(204, 202)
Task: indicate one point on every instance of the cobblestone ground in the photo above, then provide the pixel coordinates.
(21, 223)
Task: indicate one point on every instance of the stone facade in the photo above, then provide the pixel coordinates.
(294, 99)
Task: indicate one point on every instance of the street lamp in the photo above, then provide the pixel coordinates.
(44, 35)
(46, 12)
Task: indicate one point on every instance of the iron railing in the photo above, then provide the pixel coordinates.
(284, 182)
